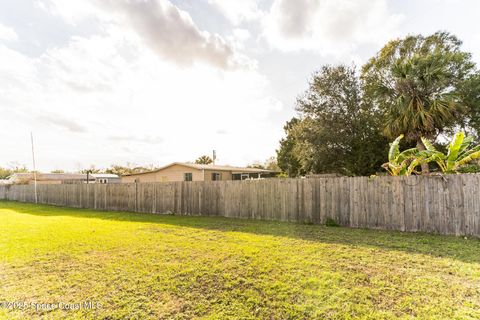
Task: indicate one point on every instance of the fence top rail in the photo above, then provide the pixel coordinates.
(445, 178)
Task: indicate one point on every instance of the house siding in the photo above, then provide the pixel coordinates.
(173, 173)
(176, 172)
(226, 175)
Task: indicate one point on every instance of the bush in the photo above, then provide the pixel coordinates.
(331, 223)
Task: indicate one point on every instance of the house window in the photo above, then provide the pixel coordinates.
(102, 180)
(245, 176)
(216, 176)
(188, 176)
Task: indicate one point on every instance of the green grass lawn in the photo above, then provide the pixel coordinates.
(143, 266)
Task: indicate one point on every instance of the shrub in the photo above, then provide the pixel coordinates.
(331, 223)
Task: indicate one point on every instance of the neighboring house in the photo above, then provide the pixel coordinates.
(179, 171)
(62, 178)
(105, 178)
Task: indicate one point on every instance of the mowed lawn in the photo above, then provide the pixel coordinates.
(141, 266)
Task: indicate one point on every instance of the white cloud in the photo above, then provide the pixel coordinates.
(241, 34)
(167, 30)
(72, 12)
(149, 140)
(61, 122)
(108, 99)
(237, 11)
(7, 33)
(171, 32)
(328, 26)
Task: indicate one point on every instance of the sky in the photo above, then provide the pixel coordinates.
(150, 82)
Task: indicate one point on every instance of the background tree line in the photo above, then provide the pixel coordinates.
(417, 86)
(114, 169)
(13, 168)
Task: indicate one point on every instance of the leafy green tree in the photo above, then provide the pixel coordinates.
(204, 160)
(4, 173)
(469, 90)
(337, 131)
(423, 86)
(119, 170)
(14, 168)
(287, 159)
(130, 168)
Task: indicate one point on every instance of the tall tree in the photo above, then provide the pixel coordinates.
(421, 85)
(204, 160)
(287, 159)
(470, 92)
(337, 131)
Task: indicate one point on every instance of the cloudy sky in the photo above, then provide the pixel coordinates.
(155, 81)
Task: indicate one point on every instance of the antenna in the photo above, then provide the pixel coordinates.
(34, 168)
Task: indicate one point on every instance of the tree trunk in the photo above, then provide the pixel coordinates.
(421, 147)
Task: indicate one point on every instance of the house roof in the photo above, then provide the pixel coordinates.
(58, 176)
(208, 167)
(104, 175)
(48, 176)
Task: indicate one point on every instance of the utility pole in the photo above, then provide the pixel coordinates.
(34, 168)
(214, 156)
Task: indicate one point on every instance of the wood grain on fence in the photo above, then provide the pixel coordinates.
(445, 205)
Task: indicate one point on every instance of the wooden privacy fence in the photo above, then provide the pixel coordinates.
(446, 205)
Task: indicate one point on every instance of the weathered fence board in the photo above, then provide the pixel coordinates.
(446, 205)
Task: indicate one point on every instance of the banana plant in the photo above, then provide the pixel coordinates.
(402, 163)
(458, 153)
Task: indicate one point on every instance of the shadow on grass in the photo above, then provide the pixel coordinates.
(435, 245)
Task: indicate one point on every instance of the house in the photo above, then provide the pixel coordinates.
(104, 178)
(62, 178)
(179, 171)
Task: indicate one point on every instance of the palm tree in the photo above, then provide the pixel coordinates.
(416, 111)
(415, 82)
(204, 160)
